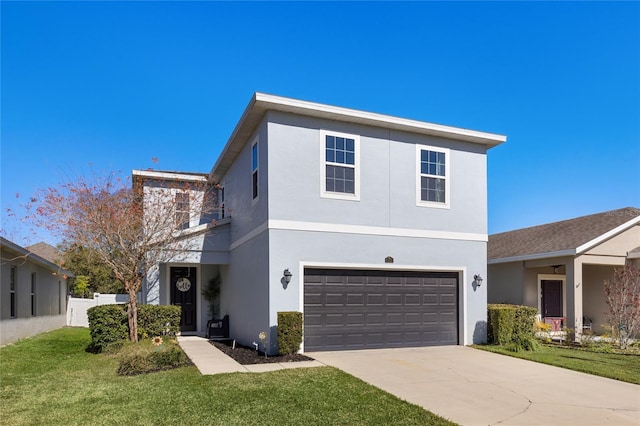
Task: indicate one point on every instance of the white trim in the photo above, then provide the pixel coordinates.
(462, 288)
(549, 277)
(323, 167)
(446, 177)
(169, 175)
(291, 225)
(586, 246)
(252, 234)
(491, 139)
(255, 144)
(534, 256)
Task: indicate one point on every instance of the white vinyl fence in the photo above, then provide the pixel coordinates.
(77, 308)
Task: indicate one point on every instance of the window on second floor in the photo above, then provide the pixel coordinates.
(182, 210)
(340, 171)
(432, 184)
(221, 211)
(254, 170)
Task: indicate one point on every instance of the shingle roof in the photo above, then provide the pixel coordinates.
(45, 251)
(558, 236)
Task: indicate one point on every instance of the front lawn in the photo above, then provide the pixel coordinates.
(614, 366)
(50, 379)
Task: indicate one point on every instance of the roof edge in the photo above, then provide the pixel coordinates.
(184, 176)
(615, 231)
(534, 256)
(32, 256)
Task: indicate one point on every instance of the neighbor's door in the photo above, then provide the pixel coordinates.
(552, 298)
(183, 294)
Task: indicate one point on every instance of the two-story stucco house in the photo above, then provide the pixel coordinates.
(373, 226)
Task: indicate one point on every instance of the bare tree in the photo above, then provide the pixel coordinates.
(129, 226)
(622, 294)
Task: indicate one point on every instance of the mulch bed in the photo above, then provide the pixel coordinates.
(246, 356)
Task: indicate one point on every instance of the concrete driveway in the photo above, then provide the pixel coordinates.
(474, 387)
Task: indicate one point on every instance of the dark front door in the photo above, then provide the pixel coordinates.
(183, 294)
(552, 298)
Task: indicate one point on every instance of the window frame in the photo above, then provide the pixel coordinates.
(34, 283)
(255, 176)
(447, 177)
(13, 282)
(324, 163)
(181, 214)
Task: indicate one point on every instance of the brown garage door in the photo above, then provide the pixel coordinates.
(358, 309)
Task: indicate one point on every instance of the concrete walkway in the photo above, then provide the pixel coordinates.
(211, 360)
(473, 387)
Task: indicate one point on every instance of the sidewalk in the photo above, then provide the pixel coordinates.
(210, 360)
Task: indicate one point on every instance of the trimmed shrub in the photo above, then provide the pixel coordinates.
(108, 324)
(289, 332)
(144, 357)
(512, 325)
(158, 320)
(501, 324)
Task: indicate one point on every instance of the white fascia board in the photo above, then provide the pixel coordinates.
(490, 139)
(169, 175)
(534, 256)
(261, 102)
(607, 235)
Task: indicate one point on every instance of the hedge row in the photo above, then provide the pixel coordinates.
(511, 325)
(109, 323)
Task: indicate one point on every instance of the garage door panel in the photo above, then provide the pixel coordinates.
(351, 309)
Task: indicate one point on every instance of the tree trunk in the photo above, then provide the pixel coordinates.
(132, 315)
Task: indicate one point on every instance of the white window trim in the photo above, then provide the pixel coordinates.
(447, 178)
(257, 145)
(323, 167)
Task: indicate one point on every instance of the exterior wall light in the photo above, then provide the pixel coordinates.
(478, 280)
(287, 276)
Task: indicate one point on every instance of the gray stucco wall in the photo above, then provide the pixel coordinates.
(50, 300)
(294, 249)
(388, 178)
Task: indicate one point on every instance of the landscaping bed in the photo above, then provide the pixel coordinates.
(247, 356)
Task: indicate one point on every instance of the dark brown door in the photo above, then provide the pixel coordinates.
(183, 294)
(552, 298)
(361, 309)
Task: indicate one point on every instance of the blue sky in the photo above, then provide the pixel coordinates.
(114, 84)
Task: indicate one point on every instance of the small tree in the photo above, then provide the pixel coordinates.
(128, 228)
(85, 262)
(622, 294)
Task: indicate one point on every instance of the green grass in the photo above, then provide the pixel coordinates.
(614, 366)
(50, 379)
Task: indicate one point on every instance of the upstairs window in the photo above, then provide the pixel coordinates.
(340, 168)
(182, 210)
(13, 276)
(433, 177)
(254, 170)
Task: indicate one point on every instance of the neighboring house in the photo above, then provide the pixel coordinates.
(46, 251)
(373, 226)
(33, 293)
(560, 267)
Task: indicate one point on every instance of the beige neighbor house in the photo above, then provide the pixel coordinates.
(33, 293)
(560, 267)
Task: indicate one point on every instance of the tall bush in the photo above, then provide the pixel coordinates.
(511, 325)
(289, 332)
